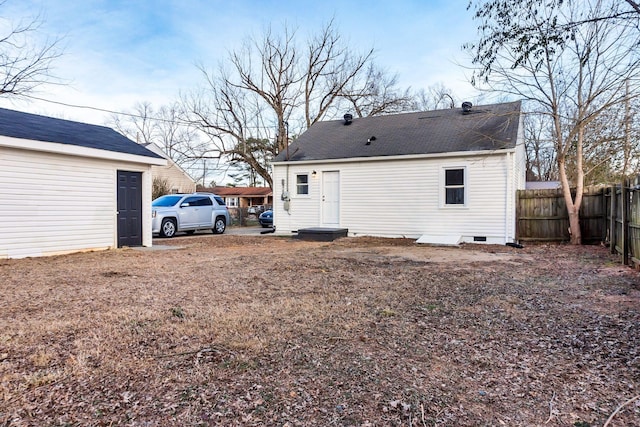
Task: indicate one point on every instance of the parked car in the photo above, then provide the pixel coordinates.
(189, 212)
(266, 218)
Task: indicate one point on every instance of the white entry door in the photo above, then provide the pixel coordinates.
(331, 198)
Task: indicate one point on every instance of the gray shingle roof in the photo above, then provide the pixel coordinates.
(21, 125)
(489, 127)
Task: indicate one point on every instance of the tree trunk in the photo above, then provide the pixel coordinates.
(573, 206)
(574, 227)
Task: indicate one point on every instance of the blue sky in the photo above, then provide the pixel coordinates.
(119, 52)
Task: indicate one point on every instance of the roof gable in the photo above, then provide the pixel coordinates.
(484, 128)
(17, 124)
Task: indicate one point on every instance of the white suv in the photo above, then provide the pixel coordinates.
(189, 212)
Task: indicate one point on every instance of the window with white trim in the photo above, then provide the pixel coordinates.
(302, 184)
(454, 187)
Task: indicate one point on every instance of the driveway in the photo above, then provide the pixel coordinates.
(252, 230)
(232, 230)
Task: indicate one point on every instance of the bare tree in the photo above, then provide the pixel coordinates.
(25, 63)
(275, 87)
(377, 93)
(609, 145)
(571, 77)
(435, 97)
(178, 139)
(160, 187)
(234, 122)
(540, 149)
(329, 68)
(138, 125)
(165, 128)
(602, 152)
(634, 4)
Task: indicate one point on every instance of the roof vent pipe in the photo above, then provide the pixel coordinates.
(348, 118)
(466, 107)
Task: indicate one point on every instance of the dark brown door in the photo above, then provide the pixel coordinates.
(129, 208)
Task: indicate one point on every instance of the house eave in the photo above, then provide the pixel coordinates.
(399, 157)
(75, 150)
(169, 162)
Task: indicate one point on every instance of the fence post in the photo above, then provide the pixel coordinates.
(625, 221)
(603, 209)
(613, 238)
(518, 210)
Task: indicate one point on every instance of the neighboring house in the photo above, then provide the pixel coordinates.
(244, 197)
(176, 178)
(70, 186)
(443, 177)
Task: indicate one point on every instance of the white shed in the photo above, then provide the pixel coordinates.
(67, 186)
(443, 177)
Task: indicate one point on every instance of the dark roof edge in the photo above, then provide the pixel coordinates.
(397, 157)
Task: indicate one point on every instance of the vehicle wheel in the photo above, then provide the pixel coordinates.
(190, 232)
(219, 226)
(168, 228)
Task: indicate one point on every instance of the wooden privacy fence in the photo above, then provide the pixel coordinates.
(623, 203)
(608, 214)
(542, 216)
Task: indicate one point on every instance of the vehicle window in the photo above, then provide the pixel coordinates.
(302, 184)
(193, 201)
(166, 201)
(454, 186)
(219, 200)
(205, 201)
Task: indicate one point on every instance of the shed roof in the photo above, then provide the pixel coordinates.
(17, 124)
(489, 127)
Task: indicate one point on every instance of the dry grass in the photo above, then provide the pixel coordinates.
(239, 330)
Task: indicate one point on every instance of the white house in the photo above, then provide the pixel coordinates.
(444, 177)
(177, 179)
(67, 186)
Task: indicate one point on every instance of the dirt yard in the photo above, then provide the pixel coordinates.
(269, 331)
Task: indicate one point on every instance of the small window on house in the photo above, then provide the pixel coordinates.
(454, 186)
(302, 184)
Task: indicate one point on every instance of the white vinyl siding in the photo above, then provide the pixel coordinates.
(303, 211)
(177, 180)
(403, 198)
(54, 203)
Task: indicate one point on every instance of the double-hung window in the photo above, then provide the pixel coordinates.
(302, 184)
(454, 187)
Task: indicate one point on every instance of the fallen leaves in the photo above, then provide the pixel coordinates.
(360, 331)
